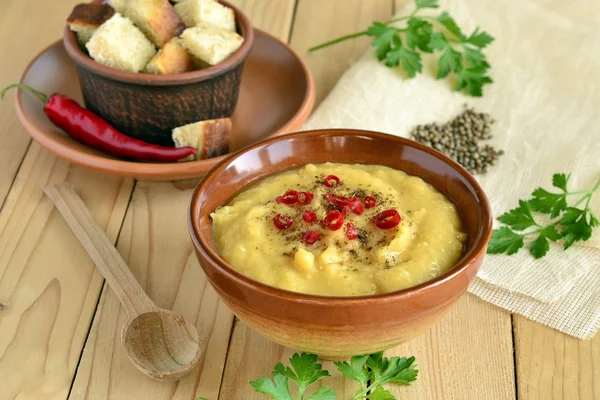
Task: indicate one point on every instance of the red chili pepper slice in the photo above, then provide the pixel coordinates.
(283, 222)
(309, 216)
(290, 197)
(331, 181)
(370, 201)
(311, 237)
(334, 220)
(88, 128)
(337, 199)
(387, 219)
(351, 231)
(304, 198)
(356, 206)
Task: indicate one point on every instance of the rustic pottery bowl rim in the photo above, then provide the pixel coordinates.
(478, 247)
(85, 61)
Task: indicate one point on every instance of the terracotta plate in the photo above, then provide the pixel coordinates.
(276, 97)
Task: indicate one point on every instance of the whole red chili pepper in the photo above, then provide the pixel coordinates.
(86, 127)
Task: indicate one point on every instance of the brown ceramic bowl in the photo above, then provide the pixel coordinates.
(336, 327)
(148, 106)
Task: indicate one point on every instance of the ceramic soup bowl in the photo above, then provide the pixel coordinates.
(336, 327)
(148, 106)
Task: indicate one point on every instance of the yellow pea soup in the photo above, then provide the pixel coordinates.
(426, 243)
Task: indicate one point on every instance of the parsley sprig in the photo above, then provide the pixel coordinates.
(568, 223)
(461, 54)
(370, 371)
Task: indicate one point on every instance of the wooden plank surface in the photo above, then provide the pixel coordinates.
(26, 27)
(552, 365)
(467, 355)
(47, 278)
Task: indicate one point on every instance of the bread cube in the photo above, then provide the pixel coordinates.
(210, 138)
(210, 12)
(86, 18)
(171, 59)
(211, 44)
(118, 44)
(156, 18)
(118, 5)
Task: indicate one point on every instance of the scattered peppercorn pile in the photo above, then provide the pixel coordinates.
(459, 140)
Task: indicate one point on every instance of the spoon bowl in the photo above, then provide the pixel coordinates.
(162, 344)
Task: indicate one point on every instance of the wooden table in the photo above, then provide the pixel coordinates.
(59, 334)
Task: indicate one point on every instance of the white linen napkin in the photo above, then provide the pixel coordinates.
(546, 101)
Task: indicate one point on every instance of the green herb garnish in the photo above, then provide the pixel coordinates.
(370, 371)
(569, 224)
(401, 46)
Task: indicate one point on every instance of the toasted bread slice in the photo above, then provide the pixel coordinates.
(156, 18)
(211, 12)
(118, 44)
(171, 59)
(210, 138)
(86, 18)
(118, 5)
(211, 44)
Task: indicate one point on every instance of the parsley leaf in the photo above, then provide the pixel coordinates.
(308, 371)
(560, 181)
(504, 240)
(383, 38)
(277, 388)
(355, 370)
(395, 369)
(448, 22)
(473, 80)
(381, 394)
(401, 47)
(519, 218)
(426, 4)
(475, 58)
(410, 60)
(323, 393)
(371, 371)
(450, 61)
(551, 233)
(437, 41)
(548, 203)
(479, 39)
(539, 247)
(571, 224)
(418, 34)
(575, 226)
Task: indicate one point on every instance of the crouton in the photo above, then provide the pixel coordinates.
(156, 18)
(211, 12)
(118, 5)
(171, 59)
(211, 44)
(210, 138)
(118, 44)
(86, 18)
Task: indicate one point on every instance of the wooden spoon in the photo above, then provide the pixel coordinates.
(160, 343)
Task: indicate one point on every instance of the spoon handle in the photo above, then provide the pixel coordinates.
(100, 249)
